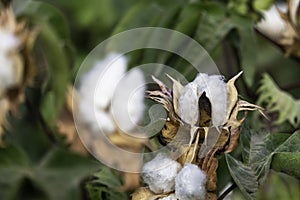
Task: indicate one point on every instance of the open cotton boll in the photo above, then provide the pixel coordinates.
(8, 43)
(128, 100)
(95, 92)
(272, 25)
(100, 82)
(190, 183)
(217, 94)
(188, 109)
(160, 173)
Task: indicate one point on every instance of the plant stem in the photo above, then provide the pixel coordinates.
(227, 191)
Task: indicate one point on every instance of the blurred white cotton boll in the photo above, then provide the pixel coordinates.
(8, 43)
(217, 94)
(128, 100)
(190, 183)
(272, 25)
(95, 92)
(188, 109)
(100, 82)
(160, 173)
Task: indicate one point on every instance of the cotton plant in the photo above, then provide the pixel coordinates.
(16, 66)
(281, 25)
(202, 120)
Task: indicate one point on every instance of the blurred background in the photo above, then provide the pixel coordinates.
(41, 156)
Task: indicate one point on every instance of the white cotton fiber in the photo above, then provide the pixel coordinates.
(160, 173)
(188, 109)
(99, 83)
(215, 89)
(190, 183)
(128, 100)
(8, 43)
(95, 93)
(272, 25)
(217, 94)
(97, 121)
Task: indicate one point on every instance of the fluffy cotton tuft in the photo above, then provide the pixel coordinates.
(128, 100)
(188, 109)
(190, 183)
(215, 89)
(272, 25)
(217, 94)
(9, 43)
(100, 82)
(109, 98)
(160, 173)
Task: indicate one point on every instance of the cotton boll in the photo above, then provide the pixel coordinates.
(188, 109)
(95, 92)
(160, 173)
(272, 25)
(217, 94)
(99, 83)
(190, 183)
(128, 100)
(9, 41)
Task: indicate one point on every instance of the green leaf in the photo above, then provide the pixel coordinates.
(262, 5)
(57, 176)
(262, 151)
(279, 186)
(244, 176)
(279, 101)
(213, 25)
(288, 163)
(105, 185)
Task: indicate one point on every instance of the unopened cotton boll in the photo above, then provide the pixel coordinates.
(190, 183)
(160, 173)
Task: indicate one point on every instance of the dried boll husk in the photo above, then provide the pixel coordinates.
(17, 61)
